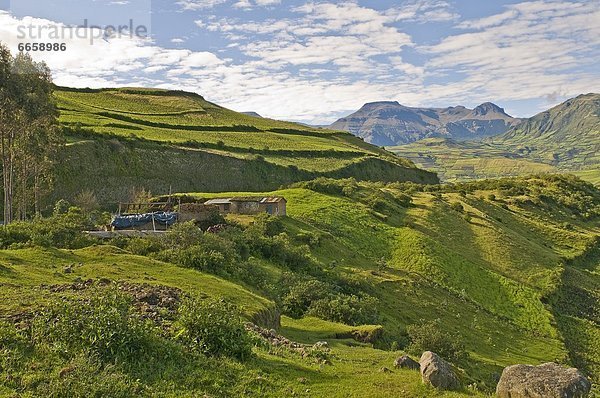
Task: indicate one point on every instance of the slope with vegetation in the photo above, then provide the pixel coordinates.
(487, 274)
(565, 138)
(125, 138)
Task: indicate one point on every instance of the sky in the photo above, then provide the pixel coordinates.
(316, 61)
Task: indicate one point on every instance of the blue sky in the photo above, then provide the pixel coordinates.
(314, 61)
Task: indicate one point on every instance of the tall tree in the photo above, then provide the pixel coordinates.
(29, 136)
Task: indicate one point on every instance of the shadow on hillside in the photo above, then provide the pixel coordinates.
(576, 308)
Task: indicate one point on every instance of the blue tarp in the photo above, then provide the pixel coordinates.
(126, 221)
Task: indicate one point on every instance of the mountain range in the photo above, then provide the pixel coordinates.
(567, 134)
(563, 138)
(388, 123)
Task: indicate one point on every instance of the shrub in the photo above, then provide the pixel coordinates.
(376, 202)
(61, 207)
(142, 246)
(457, 206)
(351, 310)
(340, 187)
(87, 201)
(297, 300)
(429, 336)
(102, 325)
(197, 257)
(182, 235)
(213, 218)
(61, 230)
(312, 239)
(213, 327)
(266, 225)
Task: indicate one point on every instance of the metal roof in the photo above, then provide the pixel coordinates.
(272, 199)
(218, 201)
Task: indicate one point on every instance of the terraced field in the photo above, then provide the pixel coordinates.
(185, 118)
(461, 161)
(119, 140)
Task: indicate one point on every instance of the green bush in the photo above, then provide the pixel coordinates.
(312, 239)
(63, 230)
(214, 218)
(182, 235)
(142, 246)
(197, 257)
(298, 299)
(457, 206)
(266, 225)
(348, 309)
(330, 186)
(213, 327)
(429, 336)
(102, 325)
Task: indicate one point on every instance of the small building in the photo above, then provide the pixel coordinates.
(196, 211)
(274, 205)
(245, 205)
(223, 204)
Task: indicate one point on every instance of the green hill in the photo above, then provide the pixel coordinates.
(460, 161)
(565, 138)
(508, 268)
(124, 138)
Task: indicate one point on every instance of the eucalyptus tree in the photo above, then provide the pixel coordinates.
(29, 135)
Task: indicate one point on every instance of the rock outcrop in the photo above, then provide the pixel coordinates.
(548, 380)
(406, 362)
(437, 372)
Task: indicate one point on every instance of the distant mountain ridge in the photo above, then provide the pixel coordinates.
(388, 123)
(564, 138)
(567, 134)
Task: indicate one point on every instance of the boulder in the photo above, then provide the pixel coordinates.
(437, 372)
(548, 380)
(406, 362)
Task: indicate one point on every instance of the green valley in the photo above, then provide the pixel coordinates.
(408, 253)
(562, 139)
(155, 244)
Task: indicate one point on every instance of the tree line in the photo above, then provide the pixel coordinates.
(29, 134)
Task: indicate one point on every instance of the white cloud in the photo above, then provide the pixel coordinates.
(425, 11)
(344, 34)
(527, 51)
(192, 5)
(248, 4)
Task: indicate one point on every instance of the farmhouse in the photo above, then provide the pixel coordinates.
(274, 205)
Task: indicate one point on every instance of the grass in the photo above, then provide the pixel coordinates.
(461, 161)
(512, 272)
(33, 267)
(129, 138)
(592, 176)
(485, 272)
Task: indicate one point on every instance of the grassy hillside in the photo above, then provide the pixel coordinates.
(485, 258)
(507, 268)
(564, 138)
(160, 138)
(461, 161)
(567, 136)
